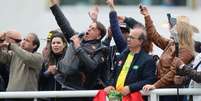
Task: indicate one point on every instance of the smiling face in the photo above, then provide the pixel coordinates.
(57, 45)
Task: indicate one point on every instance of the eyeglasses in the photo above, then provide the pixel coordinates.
(132, 37)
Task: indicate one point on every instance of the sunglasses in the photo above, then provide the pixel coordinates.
(16, 40)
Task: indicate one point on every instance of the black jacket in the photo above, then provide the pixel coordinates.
(141, 72)
(91, 57)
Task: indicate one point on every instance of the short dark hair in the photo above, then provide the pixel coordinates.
(101, 28)
(35, 41)
(52, 32)
(142, 36)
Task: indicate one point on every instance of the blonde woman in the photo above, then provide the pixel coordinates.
(166, 71)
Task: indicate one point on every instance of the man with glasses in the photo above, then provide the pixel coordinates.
(135, 67)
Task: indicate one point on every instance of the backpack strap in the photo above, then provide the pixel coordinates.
(196, 67)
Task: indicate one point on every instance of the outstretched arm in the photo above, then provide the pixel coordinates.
(62, 21)
(115, 28)
(93, 13)
(152, 33)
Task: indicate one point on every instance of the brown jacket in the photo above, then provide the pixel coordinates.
(165, 69)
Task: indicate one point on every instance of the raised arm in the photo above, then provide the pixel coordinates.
(34, 60)
(93, 13)
(5, 57)
(62, 21)
(115, 28)
(152, 33)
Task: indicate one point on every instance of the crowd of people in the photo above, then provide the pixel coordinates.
(74, 60)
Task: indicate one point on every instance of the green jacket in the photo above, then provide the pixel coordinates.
(24, 68)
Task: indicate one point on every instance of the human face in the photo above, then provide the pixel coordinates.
(133, 39)
(57, 45)
(27, 43)
(92, 32)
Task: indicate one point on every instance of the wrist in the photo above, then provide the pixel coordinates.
(112, 7)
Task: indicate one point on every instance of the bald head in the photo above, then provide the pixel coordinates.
(13, 36)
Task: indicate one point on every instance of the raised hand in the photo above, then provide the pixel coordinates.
(2, 37)
(121, 19)
(93, 13)
(54, 2)
(144, 10)
(110, 3)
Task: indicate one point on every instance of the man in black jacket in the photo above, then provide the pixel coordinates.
(85, 57)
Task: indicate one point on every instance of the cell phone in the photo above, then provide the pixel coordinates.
(171, 20)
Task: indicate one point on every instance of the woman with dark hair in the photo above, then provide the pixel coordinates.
(56, 48)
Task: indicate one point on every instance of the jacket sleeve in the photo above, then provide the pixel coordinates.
(153, 35)
(193, 74)
(91, 62)
(148, 76)
(186, 56)
(33, 60)
(62, 22)
(116, 32)
(5, 56)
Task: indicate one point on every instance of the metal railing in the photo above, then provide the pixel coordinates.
(154, 94)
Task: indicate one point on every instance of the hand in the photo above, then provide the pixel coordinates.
(76, 41)
(125, 91)
(144, 10)
(177, 62)
(178, 80)
(110, 3)
(4, 44)
(52, 69)
(121, 19)
(107, 89)
(148, 87)
(93, 13)
(54, 2)
(2, 37)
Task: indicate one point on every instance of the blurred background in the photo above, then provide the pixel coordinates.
(34, 15)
